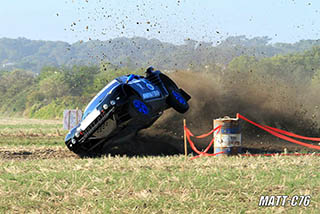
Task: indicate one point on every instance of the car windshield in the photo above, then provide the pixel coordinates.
(99, 97)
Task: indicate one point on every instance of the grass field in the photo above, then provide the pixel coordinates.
(31, 132)
(39, 175)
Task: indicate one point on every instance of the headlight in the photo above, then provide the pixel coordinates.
(77, 134)
(73, 141)
(105, 106)
(112, 102)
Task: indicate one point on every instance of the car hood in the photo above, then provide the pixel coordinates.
(100, 97)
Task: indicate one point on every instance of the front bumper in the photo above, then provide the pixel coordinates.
(90, 128)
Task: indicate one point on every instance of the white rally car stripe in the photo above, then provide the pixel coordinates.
(89, 119)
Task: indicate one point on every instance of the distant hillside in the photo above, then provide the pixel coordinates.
(138, 52)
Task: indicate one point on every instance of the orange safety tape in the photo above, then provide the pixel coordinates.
(191, 143)
(282, 154)
(198, 156)
(279, 135)
(292, 134)
(256, 155)
(203, 135)
(188, 134)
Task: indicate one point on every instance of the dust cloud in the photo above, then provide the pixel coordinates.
(264, 99)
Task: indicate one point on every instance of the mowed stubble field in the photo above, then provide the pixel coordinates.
(39, 175)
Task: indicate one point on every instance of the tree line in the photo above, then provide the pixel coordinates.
(47, 93)
(139, 52)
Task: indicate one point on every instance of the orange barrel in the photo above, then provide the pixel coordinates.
(228, 139)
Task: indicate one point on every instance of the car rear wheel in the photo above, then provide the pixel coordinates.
(176, 100)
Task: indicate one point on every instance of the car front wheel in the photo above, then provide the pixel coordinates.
(138, 108)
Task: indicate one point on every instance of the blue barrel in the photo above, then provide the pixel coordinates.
(228, 140)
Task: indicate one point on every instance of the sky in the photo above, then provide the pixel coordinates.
(170, 21)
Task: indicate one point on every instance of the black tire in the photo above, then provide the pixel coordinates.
(138, 109)
(176, 100)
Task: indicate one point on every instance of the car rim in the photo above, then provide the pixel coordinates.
(140, 106)
(179, 98)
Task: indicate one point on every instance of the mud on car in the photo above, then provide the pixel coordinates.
(123, 107)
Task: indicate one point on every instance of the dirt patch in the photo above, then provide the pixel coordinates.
(149, 144)
(26, 153)
(265, 143)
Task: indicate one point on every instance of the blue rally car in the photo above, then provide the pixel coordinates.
(122, 108)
